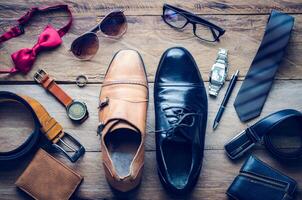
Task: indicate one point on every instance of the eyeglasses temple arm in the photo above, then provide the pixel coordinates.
(195, 17)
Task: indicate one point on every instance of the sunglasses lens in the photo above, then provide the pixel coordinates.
(115, 24)
(174, 19)
(205, 33)
(85, 46)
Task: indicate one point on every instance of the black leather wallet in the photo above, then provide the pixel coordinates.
(258, 181)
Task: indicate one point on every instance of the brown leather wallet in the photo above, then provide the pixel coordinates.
(47, 178)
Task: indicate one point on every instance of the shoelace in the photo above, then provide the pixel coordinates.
(181, 116)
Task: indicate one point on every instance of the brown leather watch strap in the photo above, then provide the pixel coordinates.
(49, 126)
(50, 85)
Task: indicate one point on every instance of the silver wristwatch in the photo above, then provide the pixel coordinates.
(218, 72)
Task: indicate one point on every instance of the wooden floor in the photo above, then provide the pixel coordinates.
(244, 22)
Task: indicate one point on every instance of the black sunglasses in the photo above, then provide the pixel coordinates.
(203, 29)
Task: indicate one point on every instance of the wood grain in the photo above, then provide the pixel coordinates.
(229, 126)
(154, 7)
(212, 184)
(244, 22)
(151, 37)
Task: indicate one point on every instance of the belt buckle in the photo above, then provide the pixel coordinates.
(77, 149)
(39, 75)
(240, 146)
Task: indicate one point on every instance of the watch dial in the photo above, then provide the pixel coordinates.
(218, 75)
(77, 110)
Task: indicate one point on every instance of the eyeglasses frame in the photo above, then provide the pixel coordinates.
(194, 19)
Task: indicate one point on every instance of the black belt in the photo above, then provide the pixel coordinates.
(31, 141)
(43, 123)
(263, 130)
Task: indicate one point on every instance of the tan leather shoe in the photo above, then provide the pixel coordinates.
(122, 115)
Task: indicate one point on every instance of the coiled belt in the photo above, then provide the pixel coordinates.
(264, 129)
(43, 123)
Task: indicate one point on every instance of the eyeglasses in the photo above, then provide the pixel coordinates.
(203, 29)
(114, 25)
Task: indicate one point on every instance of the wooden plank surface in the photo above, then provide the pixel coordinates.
(214, 178)
(146, 7)
(229, 126)
(242, 38)
(244, 22)
(216, 175)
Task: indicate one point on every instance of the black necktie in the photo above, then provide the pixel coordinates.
(259, 79)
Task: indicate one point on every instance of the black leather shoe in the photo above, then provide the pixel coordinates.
(181, 108)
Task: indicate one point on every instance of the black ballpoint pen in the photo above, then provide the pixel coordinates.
(225, 99)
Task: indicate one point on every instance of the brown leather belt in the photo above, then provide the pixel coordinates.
(43, 123)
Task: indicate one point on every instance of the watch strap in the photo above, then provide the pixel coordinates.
(50, 85)
(214, 89)
(222, 55)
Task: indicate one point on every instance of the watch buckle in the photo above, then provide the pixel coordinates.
(72, 149)
(39, 75)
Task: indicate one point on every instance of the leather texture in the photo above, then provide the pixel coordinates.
(48, 39)
(43, 123)
(259, 79)
(50, 85)
(181, 108)
(258, 181)
(49, 126)
(32, 141)
(123, 112)
(264, 128)
(47, 178)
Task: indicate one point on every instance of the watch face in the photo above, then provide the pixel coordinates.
(218, 75)
(77, 110)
